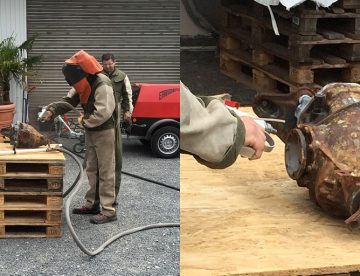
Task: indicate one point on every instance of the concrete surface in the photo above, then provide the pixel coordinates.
(151, 252)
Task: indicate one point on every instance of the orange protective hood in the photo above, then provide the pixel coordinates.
(87, 62)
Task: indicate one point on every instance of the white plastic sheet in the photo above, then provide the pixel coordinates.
(289, 4)
(292, 3)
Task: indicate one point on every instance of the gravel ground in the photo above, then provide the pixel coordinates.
(150, 252)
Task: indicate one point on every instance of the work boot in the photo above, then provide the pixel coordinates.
(84, 210)
(101, 218)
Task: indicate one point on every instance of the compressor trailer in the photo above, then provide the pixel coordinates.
(156, 118)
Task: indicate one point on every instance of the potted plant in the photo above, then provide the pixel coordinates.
(13, 64)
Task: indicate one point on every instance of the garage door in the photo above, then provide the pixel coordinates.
(142, 34)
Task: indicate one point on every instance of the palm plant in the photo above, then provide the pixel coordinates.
(14, 65)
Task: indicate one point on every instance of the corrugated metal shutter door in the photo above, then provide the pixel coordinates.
(142, 34)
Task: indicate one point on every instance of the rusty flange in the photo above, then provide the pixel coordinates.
(322, 152)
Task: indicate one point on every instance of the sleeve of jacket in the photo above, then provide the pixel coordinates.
(104, 107)
(57, 108)
(126, 104)
(210, 132)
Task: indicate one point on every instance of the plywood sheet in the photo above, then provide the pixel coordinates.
(252, 219)
(38, 156)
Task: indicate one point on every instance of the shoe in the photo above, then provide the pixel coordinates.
(83, 210)
(101, 218)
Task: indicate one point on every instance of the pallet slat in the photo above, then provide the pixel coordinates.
(27, 215)
(50, 231)
(31, 183)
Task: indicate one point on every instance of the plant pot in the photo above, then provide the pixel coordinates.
(7, 113)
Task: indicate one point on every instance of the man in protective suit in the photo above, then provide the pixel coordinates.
(93, 90)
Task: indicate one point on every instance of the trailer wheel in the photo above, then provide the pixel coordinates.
(79, 147)
(165, 142)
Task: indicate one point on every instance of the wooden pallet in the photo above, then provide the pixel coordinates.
(304, 19)
(30, 214)
(31, 194)
(255, 27)
(31, 171)
(319, 55)
(270, 66)
(277, 76)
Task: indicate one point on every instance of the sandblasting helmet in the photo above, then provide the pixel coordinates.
(76, 70)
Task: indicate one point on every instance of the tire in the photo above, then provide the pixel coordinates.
(165, 142)
(78, 148)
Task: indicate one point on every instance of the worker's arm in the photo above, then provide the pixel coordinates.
(126, 104)
(57, 108)
(104, 107)
(213, 134)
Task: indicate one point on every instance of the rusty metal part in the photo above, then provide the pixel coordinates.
(25, 136)
(322, 152)
(281, 106)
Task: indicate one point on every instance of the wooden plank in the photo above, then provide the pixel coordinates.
(273, 71)
(31, 184)
(337, 10)
(348, 4)
(301, 75)
(51, 231)
(49, 157)
(262, 81)
(24, 167)
(352, 74)
(235, 73)
(252, 219)
(30, 217)
(328, 34)
(330, 59)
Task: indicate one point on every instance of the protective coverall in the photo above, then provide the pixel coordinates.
(209, 131)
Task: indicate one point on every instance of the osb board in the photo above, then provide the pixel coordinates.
(34, 156)
(252, 219)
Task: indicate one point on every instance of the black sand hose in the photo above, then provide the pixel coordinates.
(123, 172)
(114, 238)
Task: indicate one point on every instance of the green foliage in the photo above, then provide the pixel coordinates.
(13, 64)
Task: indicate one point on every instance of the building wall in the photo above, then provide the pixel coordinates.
(13, 22)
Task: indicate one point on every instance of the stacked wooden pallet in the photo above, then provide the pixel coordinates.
(30, 194)
(315, 46)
